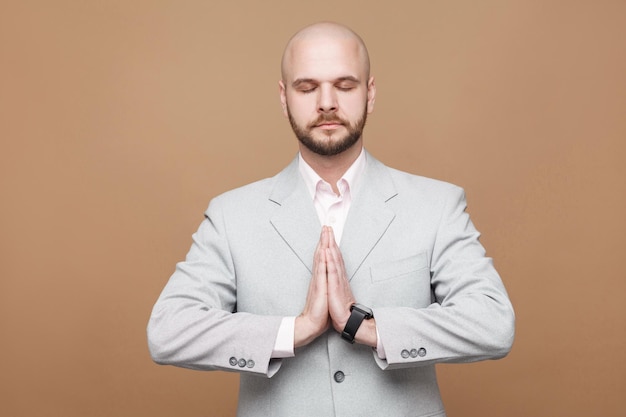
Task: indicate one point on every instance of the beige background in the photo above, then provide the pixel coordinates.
(119, 120)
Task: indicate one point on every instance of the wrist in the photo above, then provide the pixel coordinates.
(366, 335)
(305, 331)
(359, 314)
(340, 323)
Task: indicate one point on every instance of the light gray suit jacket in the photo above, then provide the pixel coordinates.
(412, 255)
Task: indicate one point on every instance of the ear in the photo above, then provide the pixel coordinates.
(283, 96)
(371, 94)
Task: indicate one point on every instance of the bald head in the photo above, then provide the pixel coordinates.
(325, 33)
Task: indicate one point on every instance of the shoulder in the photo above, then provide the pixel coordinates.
(406, 182)
(256, 195)
(241, 198)
(421, 199)
(428, 195)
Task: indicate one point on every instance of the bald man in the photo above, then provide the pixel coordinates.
(335, 286)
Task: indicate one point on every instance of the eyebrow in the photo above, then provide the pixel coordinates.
(348, 78)
(301, 81)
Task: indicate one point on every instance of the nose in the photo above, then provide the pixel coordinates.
(327, 100)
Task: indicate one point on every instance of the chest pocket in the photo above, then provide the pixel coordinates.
(402, 283)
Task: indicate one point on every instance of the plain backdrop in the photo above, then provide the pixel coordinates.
(119, 120)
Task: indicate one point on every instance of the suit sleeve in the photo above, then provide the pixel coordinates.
(471, 318)
(195, 324)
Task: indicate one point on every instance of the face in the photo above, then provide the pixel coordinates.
(326, 96)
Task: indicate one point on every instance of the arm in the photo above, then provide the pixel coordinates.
(194, 323)
(472, 318)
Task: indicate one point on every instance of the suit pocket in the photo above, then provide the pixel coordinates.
(401, 283)
(401, 268)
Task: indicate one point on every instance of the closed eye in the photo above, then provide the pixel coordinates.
(306, 90)
(347, 83)
(304, 85)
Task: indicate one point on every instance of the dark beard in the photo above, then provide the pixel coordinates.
(327, 148)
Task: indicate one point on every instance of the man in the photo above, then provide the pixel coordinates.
(348, 318)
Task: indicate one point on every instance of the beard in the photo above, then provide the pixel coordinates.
(328, 147)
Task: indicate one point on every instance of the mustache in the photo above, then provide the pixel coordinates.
(327, 118)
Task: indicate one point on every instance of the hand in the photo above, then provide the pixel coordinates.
(329, 297)
(314, 319)
(340, 296)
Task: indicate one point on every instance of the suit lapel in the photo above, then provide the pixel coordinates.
(369, 215)
(295, 219)
(297, 222)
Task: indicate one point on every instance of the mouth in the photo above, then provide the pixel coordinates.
(329, 124)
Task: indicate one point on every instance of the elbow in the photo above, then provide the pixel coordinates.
(157, 345)
(503, 335)
(157, 354)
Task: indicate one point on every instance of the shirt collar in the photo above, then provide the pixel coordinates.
(351, 176)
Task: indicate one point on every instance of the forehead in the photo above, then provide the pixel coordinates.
(325, 59)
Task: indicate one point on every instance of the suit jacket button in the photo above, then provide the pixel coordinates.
(413, 353)
(405, 353)
(250, 363)
(233, 361)
(242, 363)
(421, 353)
(339, 377)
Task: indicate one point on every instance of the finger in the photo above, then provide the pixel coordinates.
(318, 288)
(332, 266)
(325, 240)
(332, 242)
(331, 237)
(320, 265)
(330, 261)
(334, 255)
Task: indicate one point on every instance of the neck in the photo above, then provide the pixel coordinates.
(332, 168)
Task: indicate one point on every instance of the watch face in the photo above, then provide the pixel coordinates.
(363, 309)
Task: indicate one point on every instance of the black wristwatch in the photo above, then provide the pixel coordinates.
(358, 313)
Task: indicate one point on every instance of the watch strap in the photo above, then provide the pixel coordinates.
(354, 322)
